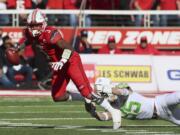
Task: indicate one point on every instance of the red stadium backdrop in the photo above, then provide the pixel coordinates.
(126, 37)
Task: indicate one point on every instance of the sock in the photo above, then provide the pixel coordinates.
(106, 105)
(87, 100)
(75, 97)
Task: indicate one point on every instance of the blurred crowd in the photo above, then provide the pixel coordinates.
(34, 70)
(93, 20)
(30, 73)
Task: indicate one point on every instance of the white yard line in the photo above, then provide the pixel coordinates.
(35, 119)
(85, 118)
(37, 106)
(7, 124)
(41, 112)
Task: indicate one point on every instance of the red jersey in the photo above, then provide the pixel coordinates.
(70, 4)
(144, 4)
(146, 51)
(106, 50)
(168, 4)
(47, 42)
(55, 4)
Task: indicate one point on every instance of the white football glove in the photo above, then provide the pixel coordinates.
(58, 65)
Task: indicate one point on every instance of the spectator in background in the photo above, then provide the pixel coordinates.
(72, 5)
(166, 20)
(4, 80)
(52, 18)
(155, 18)
(82, 45)
(104, 5)
(20, 5)
(110, 48)
(126, 20)
(141, 5)
(4, 18)
(41, 4)
(23, 68)
(145, 48)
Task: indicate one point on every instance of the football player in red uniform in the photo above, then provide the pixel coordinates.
(66, 64)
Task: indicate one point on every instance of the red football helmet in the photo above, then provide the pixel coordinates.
(36, 22)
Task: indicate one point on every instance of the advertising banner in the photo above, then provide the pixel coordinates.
(124, 36)
(133, 69)
(129, 73)
(167, 70)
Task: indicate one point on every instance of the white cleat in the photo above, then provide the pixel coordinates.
(116, 117)
(116, 125)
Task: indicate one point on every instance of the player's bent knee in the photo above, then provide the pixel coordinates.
(60, 98)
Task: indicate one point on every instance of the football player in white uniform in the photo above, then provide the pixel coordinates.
(134, 105)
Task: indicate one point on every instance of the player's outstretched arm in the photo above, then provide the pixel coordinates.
(101, 116)
(122, 89)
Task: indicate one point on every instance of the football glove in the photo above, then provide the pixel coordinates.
(58, 65)
(90, 108)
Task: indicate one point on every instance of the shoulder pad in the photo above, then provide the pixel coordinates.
(52, 35)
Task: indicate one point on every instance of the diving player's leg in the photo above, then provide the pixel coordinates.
(173, 98)
(78, 76)
(163, 104)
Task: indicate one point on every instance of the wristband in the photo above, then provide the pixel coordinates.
(66, 54)
(63, 60)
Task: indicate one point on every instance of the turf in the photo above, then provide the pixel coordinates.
(41, 116)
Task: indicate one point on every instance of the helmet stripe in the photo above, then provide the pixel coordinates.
(34, 16)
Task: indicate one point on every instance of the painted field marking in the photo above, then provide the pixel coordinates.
(42, 112)
(42, 106)
(34, 119)
(4, 124)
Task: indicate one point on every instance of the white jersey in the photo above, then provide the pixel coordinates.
(138, 107)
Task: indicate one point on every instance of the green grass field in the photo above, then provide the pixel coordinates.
(41, 116)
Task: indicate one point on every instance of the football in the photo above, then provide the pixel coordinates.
(12, 56)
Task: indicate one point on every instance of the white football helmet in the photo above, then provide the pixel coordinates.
(103, 86)
(102, 82)
(36, 22)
